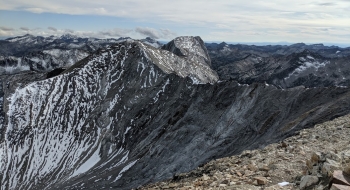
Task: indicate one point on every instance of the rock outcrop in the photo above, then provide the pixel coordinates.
(315, 158)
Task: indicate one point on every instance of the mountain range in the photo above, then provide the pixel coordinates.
(80, 113)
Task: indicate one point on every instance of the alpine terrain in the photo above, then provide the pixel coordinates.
(81, 113)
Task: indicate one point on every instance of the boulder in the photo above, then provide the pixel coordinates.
(261, 180)
(307, 181)
(339, 177)
(339, 187)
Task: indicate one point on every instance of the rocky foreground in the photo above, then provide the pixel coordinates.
(317, 158)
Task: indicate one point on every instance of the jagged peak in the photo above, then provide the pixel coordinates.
(186, 56)
(189, 47)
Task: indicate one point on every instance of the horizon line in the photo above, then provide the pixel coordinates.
(342, 45)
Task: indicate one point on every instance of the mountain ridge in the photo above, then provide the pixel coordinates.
(130, 114)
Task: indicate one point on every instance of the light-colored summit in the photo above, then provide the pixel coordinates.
(185, 56)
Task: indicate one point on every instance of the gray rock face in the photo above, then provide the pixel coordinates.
(191, 48)
(282, 66)
(131, 114)
(185, 57)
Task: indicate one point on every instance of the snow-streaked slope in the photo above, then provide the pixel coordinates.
(45, 54)
(47, 121)
(44, 61)
(60, 128)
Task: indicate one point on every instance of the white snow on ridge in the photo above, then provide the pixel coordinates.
(35, 59)
(308, 64)
(310, 57)
(54, 52)
(2, 156)
(302, 59)
(126, 168)
(16, 39)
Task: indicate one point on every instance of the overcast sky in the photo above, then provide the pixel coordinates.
(309, 21)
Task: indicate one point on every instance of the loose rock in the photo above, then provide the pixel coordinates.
(308, 181)
(261, 180)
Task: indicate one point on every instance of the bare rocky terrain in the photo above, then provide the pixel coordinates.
(313, 154)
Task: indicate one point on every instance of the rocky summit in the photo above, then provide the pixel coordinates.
(311, 159)
(131, 114)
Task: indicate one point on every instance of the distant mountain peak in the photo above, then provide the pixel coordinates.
(68, 36)
(150, 39)
(24, 36)
(319, 44)
(152, 42)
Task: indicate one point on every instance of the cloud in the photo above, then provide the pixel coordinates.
(327, 4)
(167, 34)
(272, 18)
(69, 31)
(137, 33)
(148, 32)
(25, 29)
(7, 29)
(52, 28)
(35, 10)
(116, 32)
(156, 34)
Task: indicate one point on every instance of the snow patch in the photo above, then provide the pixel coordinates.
(310, 57)
(91, 162)
(126, 168)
